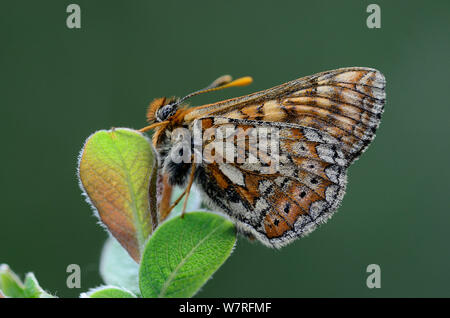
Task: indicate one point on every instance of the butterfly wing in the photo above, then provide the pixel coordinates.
(325, 122)
(346, 103)
(274, 205)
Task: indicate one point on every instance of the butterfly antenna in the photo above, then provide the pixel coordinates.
(222, 82)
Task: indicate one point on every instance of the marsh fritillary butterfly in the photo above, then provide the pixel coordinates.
(322, 122)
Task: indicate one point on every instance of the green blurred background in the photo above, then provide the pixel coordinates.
(58, 85)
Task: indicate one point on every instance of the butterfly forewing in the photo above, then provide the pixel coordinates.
(345, 103)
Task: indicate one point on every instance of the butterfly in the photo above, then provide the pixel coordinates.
(323, 123)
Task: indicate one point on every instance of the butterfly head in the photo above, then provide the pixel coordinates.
(162, 109)
(166, 111)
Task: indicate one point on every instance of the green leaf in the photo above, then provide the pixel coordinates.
(10, 284)
(114, 171)
(117, 268)
(108, 292)
(33, 289)
(183, 253)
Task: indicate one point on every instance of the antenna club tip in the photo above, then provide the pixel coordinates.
(243, 81)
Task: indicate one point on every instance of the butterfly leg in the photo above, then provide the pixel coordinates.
(188, 188)
(186, 191)
(166, 213)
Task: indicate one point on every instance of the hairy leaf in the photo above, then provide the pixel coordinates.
(108, 292)
(33, 289)
(10, 284)
(117, 268)
(114, 172)
(183, 253)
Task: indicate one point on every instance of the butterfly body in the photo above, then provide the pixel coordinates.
(322, 123)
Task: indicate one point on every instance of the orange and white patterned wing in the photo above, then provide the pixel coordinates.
(346, 103)
(325, 122)
(274, 205)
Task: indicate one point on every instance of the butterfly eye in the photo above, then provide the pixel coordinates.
(166, 111)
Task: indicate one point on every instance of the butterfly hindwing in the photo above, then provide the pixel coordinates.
(274, 204)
